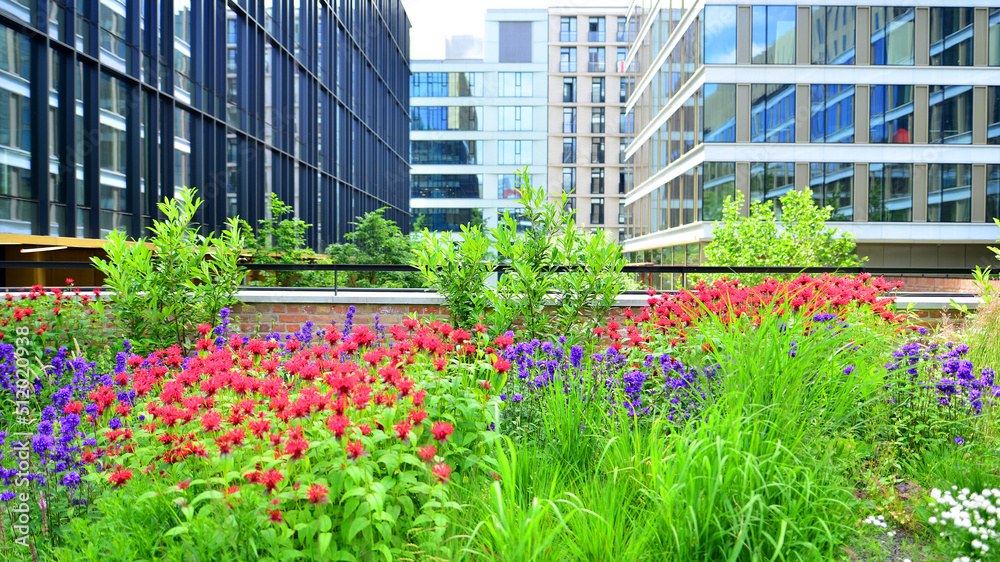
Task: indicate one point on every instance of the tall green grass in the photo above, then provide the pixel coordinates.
(754, 477)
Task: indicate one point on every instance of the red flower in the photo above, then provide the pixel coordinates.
(211, 420)
(120, 476)
(403, 429)
(442, 430)
(442, 472)
(501, 365)
(317, 494)
(183, 484)
(417, 416)
(354, 449)
(275, 515)
(69, 281)
(204, 328)
(427, 453)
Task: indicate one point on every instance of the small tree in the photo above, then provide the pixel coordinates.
(283, 240)
(802, 238)
(375, 239)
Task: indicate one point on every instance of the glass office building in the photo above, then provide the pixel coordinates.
(109, 106)
(889, 114)
(476, 122)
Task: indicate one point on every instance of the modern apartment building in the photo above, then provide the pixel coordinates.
(888, 111)
(475, 122)
(588, 125)
(108, 106)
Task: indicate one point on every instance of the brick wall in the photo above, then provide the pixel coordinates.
(288, 317)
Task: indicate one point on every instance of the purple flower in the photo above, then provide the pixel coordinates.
(959, 441)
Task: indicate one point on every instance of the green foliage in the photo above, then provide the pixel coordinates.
(165, 286)
(533, 293)
(375, 239)
(282, 240)
(800, 240)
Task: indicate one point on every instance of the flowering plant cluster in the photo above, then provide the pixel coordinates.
(357, 430)
(968, 521)
(671, 316)
(53, 317)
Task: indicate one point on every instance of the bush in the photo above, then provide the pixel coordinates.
(165, 286)
(800, 240)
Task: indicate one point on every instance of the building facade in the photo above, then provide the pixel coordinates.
(109, 106)
(889, 114)
(589, 127)
(476, 122)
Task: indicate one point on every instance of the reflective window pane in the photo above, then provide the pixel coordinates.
(993, 47)
(446, 118)
(993, 115)
(513, 152)
(718, 113)
(517, 118)
(992, 192)
(832, 113)
(890, 192)
(773, 35)
(446, 152)
(951, 36)
(444, 84)
(719, 34)
(770, 180)
(514, 84)
(891, 35)
(772, 113)
(950, 118)
(833, 34)
(832, 185)
(949, 193)
(891, 109)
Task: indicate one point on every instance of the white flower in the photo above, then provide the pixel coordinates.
(977, 543)
(932, 520)
(891, 534)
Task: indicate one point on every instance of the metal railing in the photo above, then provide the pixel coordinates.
(683, 270)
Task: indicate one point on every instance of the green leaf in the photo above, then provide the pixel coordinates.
(356, 527)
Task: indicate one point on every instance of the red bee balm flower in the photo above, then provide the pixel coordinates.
(442, 472)
(354, 449)
(275, 515)
(120, 476)
(427, 453)
(317, 494)
(501, 365)
(403, 429)
(442, 430)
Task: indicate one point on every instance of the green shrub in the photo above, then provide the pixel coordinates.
(165, 286)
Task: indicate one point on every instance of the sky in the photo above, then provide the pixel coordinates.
(434, 20)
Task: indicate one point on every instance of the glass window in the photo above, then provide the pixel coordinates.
(18, 210)
(950, 119)
(569, 120)
(508, 186)
(114, 150)
(447, 220)
(992, 192)
(832, 185)
(719, 34)
(772, 113)
(597, 90)
(770, 180)
(569, 180)
(446, 152)
(994, 37)
(595, 30)
(446, 186)
(597, 150)
(622, 149)
(569, 90)
(517, 118)
(718, 113)
(622, 32)
(773, 35)
(620, 59)
(569, 150)
(718, 183)
(890, 192)
(949, 193)
(515, 84)
(624, 180)
(625, 87)
(597, 210)
(567, 29)
(567, 59)
(597, 181)
(833, 35)
(597, 120)
(891, 110)
(446, 84)
(513, 152)
(446, 118)
(993, 115)
(892, 35)
(595, 59)
(832, 113)
(182, 49)
(951, 36)
(626, 121)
